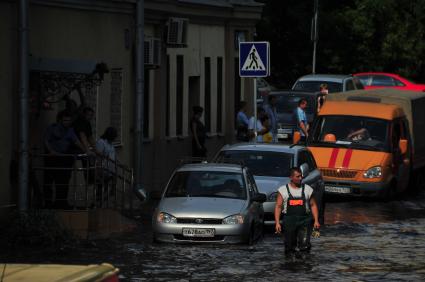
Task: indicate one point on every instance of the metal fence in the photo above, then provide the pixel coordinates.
(79, 181)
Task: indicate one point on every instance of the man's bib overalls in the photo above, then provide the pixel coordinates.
(297, 223)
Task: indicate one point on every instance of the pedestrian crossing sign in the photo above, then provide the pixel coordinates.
(254, 59)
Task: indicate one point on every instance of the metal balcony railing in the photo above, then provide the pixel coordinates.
(80, 181)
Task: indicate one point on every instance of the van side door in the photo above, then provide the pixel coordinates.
(401, 163)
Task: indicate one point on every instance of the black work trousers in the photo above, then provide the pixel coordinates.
(297, 232)
(57, 172)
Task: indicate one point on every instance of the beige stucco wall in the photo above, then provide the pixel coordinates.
(203, 41)
(59, 33)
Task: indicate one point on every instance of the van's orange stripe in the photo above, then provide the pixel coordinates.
(347, 158)
(334, 155)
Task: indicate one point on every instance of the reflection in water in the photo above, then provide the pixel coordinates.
(361, 241)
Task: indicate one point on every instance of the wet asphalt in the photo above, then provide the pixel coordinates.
(362, 240)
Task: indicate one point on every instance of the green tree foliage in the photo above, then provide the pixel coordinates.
(354, 36)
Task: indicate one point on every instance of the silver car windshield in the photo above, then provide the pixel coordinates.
(261, 163)
(314, 86)
(207, 184)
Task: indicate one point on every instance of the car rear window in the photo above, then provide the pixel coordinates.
(314, 86)
(261, 163)
(207, 184)
(288, 103)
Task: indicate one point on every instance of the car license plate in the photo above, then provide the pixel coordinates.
(282, 135)
(341, 190)
(284, 130)
(198, 232)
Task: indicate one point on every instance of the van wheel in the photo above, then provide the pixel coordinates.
(419, 183)
(391, 191)
(251, 239)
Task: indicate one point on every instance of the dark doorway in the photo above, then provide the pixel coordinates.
(194, 92)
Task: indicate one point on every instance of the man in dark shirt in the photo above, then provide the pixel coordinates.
(58, 141)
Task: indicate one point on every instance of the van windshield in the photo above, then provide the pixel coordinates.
(351, 131)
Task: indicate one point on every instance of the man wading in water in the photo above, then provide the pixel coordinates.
(298, 207)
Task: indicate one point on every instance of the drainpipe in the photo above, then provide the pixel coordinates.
(23, 106)
(139, 99)
(315, 33)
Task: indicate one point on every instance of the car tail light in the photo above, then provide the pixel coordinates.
(113, 278)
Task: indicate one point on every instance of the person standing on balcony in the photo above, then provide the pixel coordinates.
(83, 129)
(58, 141)
(106, 172)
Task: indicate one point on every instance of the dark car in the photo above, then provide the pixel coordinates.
(335, 83)
(287, 103)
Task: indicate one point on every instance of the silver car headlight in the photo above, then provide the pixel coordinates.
(273, 197)
(163, 217)
(233, 219)
(373, 172)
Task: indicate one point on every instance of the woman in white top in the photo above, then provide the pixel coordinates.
(108, 160)
(261, 126)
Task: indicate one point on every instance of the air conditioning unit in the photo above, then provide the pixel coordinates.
(152, 51)
(177, 32)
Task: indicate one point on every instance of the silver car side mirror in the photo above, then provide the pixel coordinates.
(305, 170)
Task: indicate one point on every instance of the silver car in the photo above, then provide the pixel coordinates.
(335, 83)
(210, 202)
(270, 165)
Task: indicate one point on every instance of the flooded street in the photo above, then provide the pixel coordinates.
(362, 241)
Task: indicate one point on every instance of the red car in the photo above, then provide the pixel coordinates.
(372, 80)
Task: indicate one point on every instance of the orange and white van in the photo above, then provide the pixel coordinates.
(370, 142)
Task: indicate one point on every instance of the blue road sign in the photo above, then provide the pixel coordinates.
(254, 59)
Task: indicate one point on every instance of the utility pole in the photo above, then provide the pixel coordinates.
(315, 33)
(139, 100)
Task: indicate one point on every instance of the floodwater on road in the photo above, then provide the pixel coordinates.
(362, 240)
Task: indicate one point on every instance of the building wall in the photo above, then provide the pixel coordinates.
(77, 34)
(76, 30)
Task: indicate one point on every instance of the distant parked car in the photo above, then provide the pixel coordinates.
(372, 80)
(210, 202)
(287, 103)
(270, 165)
(335, 82)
